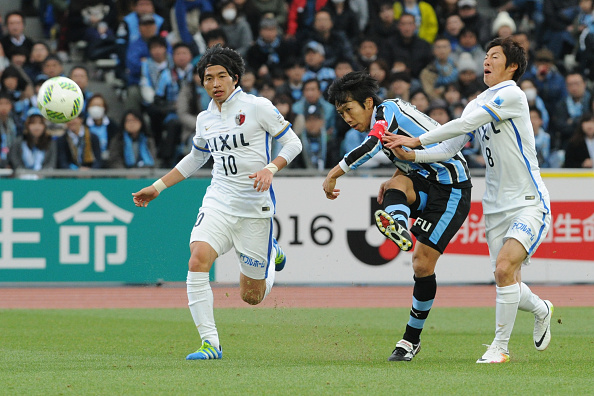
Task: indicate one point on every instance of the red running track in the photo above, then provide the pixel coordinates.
(227, 296)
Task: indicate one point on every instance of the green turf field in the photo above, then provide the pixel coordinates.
(286, 351)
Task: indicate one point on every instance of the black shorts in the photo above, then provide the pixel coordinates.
(439, 210)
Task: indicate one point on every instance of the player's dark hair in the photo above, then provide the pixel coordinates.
(357, 86)
(513, 52)
(221, 56)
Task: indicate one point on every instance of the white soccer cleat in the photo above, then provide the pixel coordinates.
(404, 351)
(495, 354)
(542, 328)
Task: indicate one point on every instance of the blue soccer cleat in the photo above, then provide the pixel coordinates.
(206, 351)
(280, 260)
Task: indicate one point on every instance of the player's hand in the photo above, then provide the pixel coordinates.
(382, 190)
(144, 196)
(329, 188)
(391, 141)
(262, 179)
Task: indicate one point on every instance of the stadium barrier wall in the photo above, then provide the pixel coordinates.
(88, 230)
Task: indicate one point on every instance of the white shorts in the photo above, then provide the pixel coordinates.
(251, 238)
(528, 225)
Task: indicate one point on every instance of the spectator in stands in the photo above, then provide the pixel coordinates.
(270, 50)
(52, 67)
(312, 98)
(236, 28)
(408, 45)
(549, 81)
(468, 81)
(453, 97)
(248, 85)
(87, 21)
(16, 83)
(78, 148)
(214, 37)
(276, 9)
(10, 127)
(444, 9)
(266, 88)
(192, 99)
(503, 25)
(342, 67)
(367, 52)
(542, 140)
(453, 27)
(15, 34)
(35, 149)
(319, 151)
(301, 17)
(207, 23)
(558, 21)
(284, 104)
(4, 60)
(440, 72)
(524, 41)
(344, 19)
(189, 19)
(472, 19)
(570, 109)
(383, 26)
(101, 42)
(251, 13)
(580, 150)
(138, 51)
(379, 70)
(130, 31)
(400, 83)
(439, 111)
(39, 52)
(468, 44)
(80, 75)
(426, 19)
(529, 88)
(166, 97)
(420, 99)
(132, 147)
(100, 124)
(294, 70)
(335, 42)
(315, 56)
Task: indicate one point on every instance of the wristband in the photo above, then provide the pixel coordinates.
(272, 168)
(159, 185)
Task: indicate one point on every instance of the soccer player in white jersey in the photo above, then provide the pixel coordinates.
(516, 202)
(237, 130)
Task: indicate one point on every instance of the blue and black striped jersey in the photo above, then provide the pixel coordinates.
(403, 118)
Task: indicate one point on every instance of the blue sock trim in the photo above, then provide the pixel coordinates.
(416, 323)
(422, 305)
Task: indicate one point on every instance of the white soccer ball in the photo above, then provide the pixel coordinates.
(60, 99)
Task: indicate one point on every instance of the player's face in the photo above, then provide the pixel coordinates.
(494, 67)
(218, 83)
(358, 117)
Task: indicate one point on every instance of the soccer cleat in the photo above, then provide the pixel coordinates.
(404, 351)
(393, 230)
(280, 260)
(495, 354)
(205, 352)
(542, 328)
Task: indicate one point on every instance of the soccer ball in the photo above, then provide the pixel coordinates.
(60, 99)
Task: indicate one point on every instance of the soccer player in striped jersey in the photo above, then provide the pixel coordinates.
(436, 194)
(516, 202)
(236, 130)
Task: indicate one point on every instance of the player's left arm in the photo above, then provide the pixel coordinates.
(272, 120)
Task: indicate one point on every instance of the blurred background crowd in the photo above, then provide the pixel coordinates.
(135, 62)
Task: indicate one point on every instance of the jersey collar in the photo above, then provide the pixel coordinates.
(503, 84)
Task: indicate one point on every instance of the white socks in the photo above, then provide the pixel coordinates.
(530, 302)
(506, 308)
(271, 275)
(200, 301)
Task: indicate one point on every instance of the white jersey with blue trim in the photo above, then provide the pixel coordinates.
(512, 174)
(404, 118)
(239, 138)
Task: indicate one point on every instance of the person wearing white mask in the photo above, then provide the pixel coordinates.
(100, 124)
(237, 29)
(534, 100)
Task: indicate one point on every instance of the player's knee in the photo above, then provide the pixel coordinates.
(197, 264)
(504, 272)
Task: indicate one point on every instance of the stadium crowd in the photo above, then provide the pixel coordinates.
(427, 52)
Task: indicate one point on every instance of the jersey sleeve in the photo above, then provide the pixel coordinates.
(509, 103)
(271, 119)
